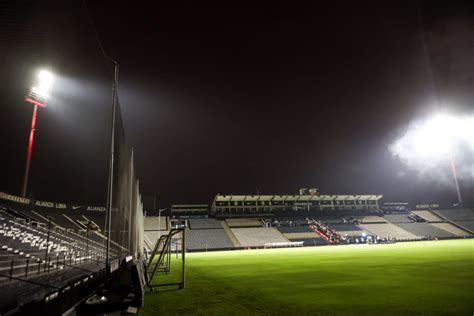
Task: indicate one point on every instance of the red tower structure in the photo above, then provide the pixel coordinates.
(38, 97)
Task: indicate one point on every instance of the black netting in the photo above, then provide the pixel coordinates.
(126, 227)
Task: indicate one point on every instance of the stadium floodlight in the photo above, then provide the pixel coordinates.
(37, 96)
(44, 84)
(434, 141)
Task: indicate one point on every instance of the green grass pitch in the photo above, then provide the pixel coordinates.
(415, 278)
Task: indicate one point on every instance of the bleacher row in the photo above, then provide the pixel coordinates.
(212, 234)
(39, 251)
(25, 242)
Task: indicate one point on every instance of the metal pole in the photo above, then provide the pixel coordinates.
(159, 224)
(47, 244)
(453, 169)
(132, 190)
(30, 149)
(183, 251)
(11, 269)
(87, 236)
(26, 268)
(111, 165)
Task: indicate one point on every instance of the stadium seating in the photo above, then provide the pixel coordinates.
(155, 223)
(388, 230)
(428, 216)
(17, 293)
(425, 230)
(204, 239)
(463, 214)
(469, 225)
(370, 219)
(398, 218)
(243, 222)
(345, 227)
(294, 229)
(258, 237)
(291, 221)
(347, 230)
(24, 247)
(451, 229)
(204, 223)
(328, 220)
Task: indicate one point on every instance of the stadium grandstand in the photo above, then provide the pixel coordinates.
(258, 221)
(229, 205)
(52, 254)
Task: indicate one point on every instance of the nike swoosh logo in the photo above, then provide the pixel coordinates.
(76, 207)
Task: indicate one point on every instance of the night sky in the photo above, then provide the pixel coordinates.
(233, 98)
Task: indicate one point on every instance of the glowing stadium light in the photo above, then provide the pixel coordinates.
(44, 85)
(433, 142)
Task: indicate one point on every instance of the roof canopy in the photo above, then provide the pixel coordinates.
(366, 197)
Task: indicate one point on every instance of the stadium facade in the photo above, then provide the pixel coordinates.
(258, 204)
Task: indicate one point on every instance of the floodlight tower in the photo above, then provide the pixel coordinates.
(37, 96)
(437, 138)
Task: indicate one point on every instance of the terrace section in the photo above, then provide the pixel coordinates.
(204, 223)
(399, 218)
(455, 215)
(348, 230)
(428, 216)
(425, 230)
(467, 225)
(207, 239)
(389, 231)
(452, 229)
(294, 229)
(243, 222)
(258, 237)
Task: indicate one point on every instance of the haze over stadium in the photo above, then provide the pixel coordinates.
(305, 95)
(235, 126)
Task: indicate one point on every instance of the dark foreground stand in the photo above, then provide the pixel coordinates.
(122, 294)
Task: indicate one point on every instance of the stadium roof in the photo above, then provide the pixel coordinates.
(223, 198)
